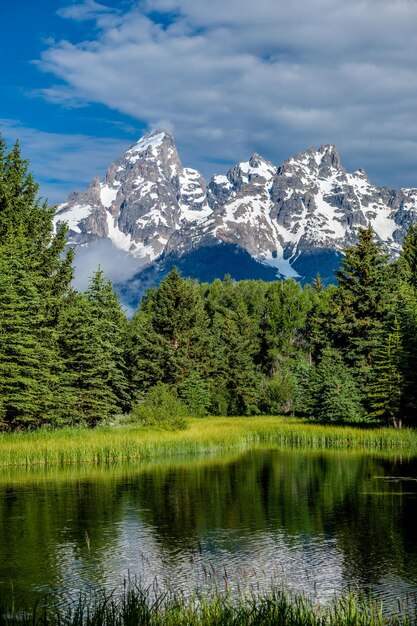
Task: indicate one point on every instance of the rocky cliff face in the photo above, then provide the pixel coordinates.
(290, 219)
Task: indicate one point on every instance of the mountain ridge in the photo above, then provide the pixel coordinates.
(156, 210)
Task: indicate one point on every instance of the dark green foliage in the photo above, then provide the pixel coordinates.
(407, 314)
(144, 354)
(235, 311)
(279, 393)
(169, 336)
(237, 377)
(319, 318)
(333, 394)
(408, 258)
(195, 393)
(29, 363)
(386, 388)
(91, 340)
(360, 305)
(111, 331)
(283, 322)
(33, 287)
(361, 300)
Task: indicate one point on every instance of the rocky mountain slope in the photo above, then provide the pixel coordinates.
(255, 221)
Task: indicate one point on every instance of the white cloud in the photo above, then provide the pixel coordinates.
(87, 10)
(118, 266)
(272, 76)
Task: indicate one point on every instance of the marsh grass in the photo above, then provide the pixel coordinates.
(107, 445)
(137, 606)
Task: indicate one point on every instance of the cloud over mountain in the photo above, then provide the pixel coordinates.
(293, 73)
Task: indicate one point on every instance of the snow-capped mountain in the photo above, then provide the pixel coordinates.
(146, 195)
(256, 221)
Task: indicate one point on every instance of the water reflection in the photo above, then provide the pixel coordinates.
(318, 522)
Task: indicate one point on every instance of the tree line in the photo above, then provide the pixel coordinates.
(342, 353)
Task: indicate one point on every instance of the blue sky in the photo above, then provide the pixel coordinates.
(81, 81)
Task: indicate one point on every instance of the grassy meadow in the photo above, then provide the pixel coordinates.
(106, 445)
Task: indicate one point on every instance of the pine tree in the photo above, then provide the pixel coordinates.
(408, 257)
(237, 380)
(110, 330)
(407, 313)
(361, 302)
(195, 393)
(30, 366)
(386, 388)
(318, 323)
(283, 323)
(169, 337)
(34, 284)
(92, 330)
(333, 393)
(21, 212)
(90, 363)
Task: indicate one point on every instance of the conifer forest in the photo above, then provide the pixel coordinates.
(340, 353)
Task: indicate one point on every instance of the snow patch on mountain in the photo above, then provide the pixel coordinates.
(73, 215)
(152, 141)
(108, 194)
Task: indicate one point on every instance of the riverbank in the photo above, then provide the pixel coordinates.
(277, 608)
(108, 445)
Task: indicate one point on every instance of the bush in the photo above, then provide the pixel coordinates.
(161, 408)
(279, 393)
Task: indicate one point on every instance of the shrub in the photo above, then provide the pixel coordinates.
(161, 408)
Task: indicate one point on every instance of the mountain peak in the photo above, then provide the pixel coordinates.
(150, 142)
(330, 156)
(321, 162)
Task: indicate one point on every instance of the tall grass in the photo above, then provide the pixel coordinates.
(209, 435)
(137, 606)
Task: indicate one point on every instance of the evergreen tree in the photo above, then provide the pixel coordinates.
(408, 257)
(195, 393)
(91, 334)
(145, 351)
(333, 394)
(30, 366)
(111, 329)
(22, 213)
(386, 388)
(361, 302)
(35, 282)
(407, 313)
(283, 323)
(236, 380)
(318, 323)
(169, 337)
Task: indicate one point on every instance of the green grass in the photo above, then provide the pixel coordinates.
(203, 436)
(137, 606)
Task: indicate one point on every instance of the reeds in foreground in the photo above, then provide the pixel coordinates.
(137, 606)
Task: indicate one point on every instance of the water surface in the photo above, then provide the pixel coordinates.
(318, 522)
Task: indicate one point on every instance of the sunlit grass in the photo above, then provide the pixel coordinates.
(203, 436)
